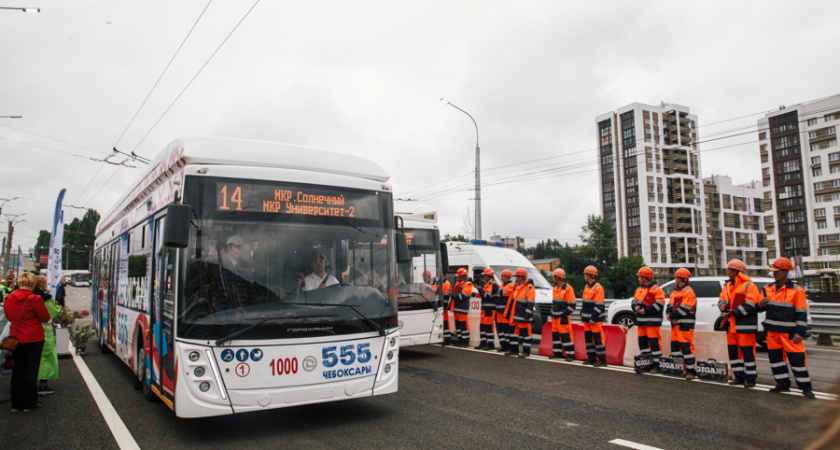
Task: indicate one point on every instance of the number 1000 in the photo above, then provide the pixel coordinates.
(283, 366)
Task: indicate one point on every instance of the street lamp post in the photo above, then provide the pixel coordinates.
(477, 171)
(24, 9)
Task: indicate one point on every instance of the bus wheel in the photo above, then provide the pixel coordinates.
(140, 375)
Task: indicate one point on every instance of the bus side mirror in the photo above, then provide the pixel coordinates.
(403, 255)
(176, 227)
(444, 257)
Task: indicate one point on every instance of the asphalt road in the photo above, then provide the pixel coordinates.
(447, 398)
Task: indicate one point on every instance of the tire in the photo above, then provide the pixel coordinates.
(140, 374)
(626, 319)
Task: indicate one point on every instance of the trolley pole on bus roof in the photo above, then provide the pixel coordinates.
(477, 171)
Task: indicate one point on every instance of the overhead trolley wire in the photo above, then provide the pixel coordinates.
(195, 76)
(459, 185)
(165, 69)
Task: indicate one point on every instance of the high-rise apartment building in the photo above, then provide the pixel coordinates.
(651, 187)
(735, 219)
(800, 165)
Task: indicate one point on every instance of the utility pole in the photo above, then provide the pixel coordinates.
(8, 255)
(3, 202)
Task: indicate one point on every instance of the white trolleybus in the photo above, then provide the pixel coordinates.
(239, 275)
(420, 290)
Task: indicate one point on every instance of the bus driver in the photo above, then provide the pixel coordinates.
(319, 277)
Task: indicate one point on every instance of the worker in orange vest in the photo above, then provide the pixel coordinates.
(443, 295)
(649, 304)
(681, 312)
(562, 306)
(521, 314)
(461, 295)
(786, 325)
(503, 323)
(592, 315)
(489, 292)
(738, 300)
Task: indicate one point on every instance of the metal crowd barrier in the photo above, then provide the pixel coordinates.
(825, 318)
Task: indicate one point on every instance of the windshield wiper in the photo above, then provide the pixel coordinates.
(364, 317)
(230, 336)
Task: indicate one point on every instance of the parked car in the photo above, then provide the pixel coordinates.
(707, 290)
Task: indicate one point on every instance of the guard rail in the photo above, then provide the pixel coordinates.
(825, 318)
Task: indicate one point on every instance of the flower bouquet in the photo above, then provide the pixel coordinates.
(66, 317)
(80, 337)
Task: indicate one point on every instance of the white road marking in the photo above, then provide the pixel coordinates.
(123, 437)
(631, 444)
(616, 368)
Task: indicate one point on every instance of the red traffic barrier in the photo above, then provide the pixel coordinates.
(615, 336)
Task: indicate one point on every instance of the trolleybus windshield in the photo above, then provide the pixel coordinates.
(419, 276)
(272, 260)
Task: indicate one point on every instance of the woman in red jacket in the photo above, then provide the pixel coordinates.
(26, 312)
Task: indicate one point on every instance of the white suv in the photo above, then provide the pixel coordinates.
(707, 290)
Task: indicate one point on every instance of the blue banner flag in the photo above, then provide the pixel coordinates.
(56, 239)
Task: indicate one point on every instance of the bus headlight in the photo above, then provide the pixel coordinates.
(199, 372)
(204, 386)
(393, 342)
(387, 368)
(390, 355)
(194, 356)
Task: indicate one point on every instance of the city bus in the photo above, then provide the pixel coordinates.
(238, 275)
(421, 312)
(80, 278)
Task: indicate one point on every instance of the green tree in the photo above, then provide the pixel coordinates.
(599, 244)
(622, 275)
(79, 241)
(452, 237)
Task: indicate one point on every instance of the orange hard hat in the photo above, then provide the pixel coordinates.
(520, 272)
(591, 270)
(489, 272)
(427, 273)
(683, 273)
(736, 264)
(645, 272)
(781, 264)
(462, 272)
(507, 273)
(560, 273)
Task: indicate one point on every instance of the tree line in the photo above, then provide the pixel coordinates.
(598, 249)
(77, 248)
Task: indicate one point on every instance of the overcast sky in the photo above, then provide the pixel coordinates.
(365, 78)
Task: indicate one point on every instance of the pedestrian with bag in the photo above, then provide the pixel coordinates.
(562, 306)
(681, 312)
(786, 325)
(49, 356)
(738, 300)
(592, 315)
(26, 312)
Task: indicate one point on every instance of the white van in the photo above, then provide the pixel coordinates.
(477, 255)
(707, 290)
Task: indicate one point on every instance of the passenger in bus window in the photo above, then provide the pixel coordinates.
(319, 277)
